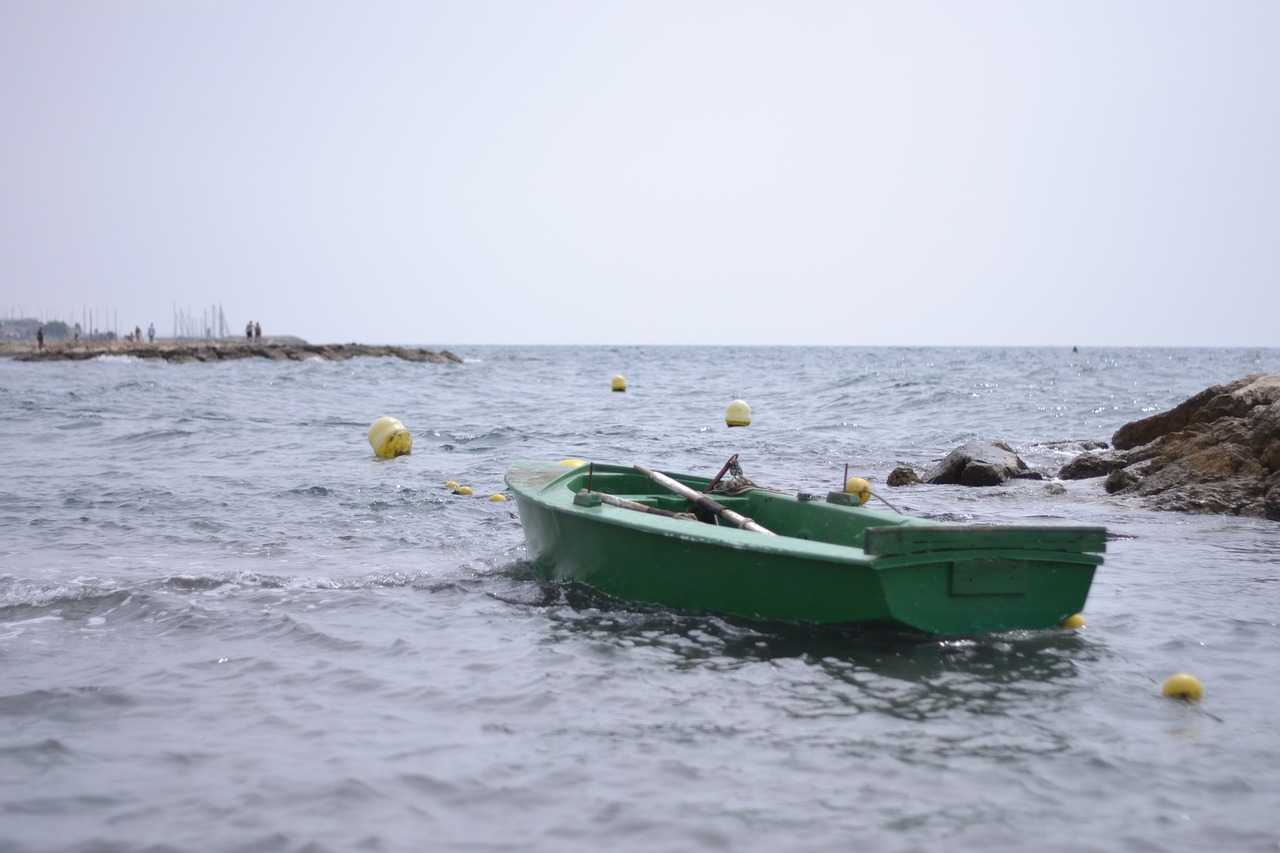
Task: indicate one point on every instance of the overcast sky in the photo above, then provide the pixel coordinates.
(883, 173)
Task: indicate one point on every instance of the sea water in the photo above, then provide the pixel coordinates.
(226, 625)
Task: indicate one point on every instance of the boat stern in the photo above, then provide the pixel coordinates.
(966, 579)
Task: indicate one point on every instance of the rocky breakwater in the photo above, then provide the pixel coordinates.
(1218, 452)
(214, 351)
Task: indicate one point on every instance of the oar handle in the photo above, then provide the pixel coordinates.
(703, 501)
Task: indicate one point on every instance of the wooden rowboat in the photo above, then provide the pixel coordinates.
(826, 559)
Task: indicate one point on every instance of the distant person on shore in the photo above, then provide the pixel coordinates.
(257, 332)
(248, 331)
(39, 336)
(137, 334)
(151, 333)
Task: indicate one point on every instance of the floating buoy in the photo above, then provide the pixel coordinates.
(738, 414)
(389, 438)
(618, 383)
(497, 497)
(464, 490)
(572, 463)
(451, 485)
(860, 487)
(1183, 686)
(1076, 621)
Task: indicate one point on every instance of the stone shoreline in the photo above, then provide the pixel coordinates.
(177, 352)
(1216, 452)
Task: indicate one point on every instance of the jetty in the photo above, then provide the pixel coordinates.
(281, 348)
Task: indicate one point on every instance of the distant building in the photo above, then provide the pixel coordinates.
(24, 329)
(19, 330)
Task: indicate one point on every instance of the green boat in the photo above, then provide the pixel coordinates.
(734, 548)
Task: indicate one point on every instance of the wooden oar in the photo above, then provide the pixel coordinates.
(703, 501)
(614, 500)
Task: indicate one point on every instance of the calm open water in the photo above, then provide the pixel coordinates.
(225, 625)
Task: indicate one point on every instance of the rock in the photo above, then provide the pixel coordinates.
(1120, 479)
(1233, 401)
(1088, 465)
(902, 476)
(978, 465)
(1218, 452)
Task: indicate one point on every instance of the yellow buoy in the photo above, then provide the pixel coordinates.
(464, 490)
(618, 383)
(738, 414)
(1183, 686)
(451, 485)
(572, 463)
(389, 438)
(497, 497)
(1076, 621)
(860, 487)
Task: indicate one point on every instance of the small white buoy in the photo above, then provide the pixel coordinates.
(738, 414)
(389, 438)
(618, 383)
(1182, 685)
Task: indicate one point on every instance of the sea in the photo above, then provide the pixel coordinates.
(226, 625)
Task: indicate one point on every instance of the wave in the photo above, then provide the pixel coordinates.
(151, 435)
(79, 599)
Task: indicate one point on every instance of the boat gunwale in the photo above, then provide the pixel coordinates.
(551, 490)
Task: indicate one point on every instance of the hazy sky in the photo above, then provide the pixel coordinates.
(1088, 173)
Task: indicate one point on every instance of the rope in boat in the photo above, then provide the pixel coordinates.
(738, 484)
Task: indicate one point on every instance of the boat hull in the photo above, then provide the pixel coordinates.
(836, 565)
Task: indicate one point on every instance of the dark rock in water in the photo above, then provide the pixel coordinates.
(902, 476)
(1088, 465)
(1218, 452)
(1120, 479)
(978, 465)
